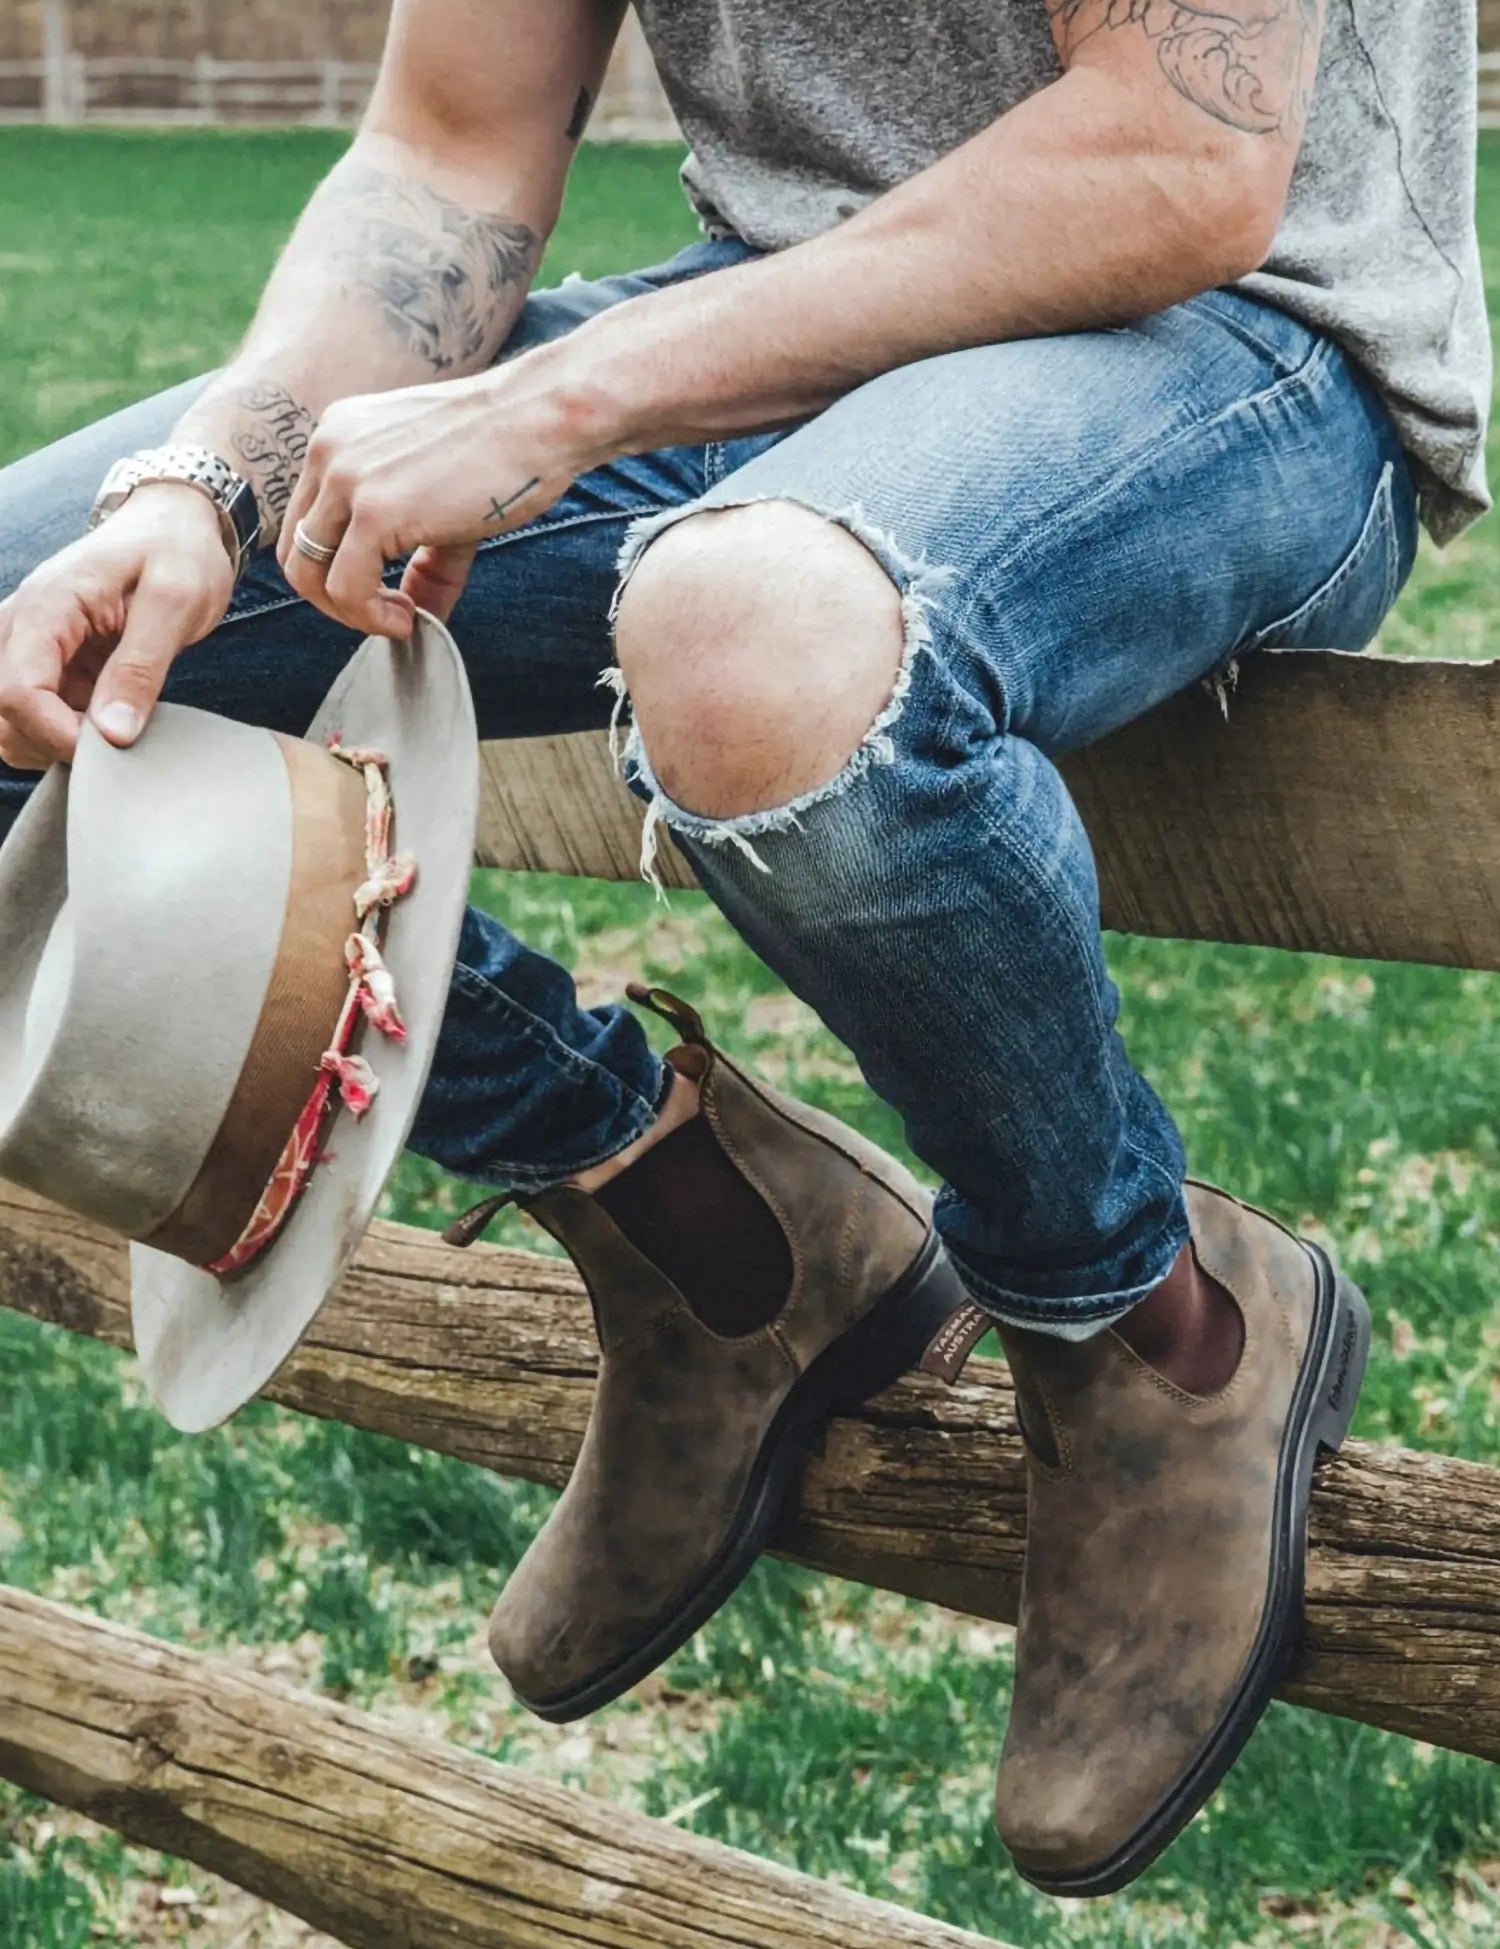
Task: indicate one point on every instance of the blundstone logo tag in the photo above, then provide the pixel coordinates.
(948, 1352)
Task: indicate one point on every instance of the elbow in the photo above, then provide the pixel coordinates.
(1236, 225)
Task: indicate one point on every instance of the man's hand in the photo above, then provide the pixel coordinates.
(98, 626)
(431, 471)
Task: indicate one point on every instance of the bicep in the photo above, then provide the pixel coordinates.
(498, 85)
(1247, 64)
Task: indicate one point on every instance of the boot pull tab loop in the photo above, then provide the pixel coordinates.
(948, 1352)
(683, 1017)
(473, 1223)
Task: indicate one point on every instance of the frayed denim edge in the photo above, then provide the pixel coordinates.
(918, 582)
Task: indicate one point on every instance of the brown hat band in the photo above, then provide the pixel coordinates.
(308, 987)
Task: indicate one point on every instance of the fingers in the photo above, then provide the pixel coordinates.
(37, 728)
(21, 755)
(353, 589)
(349, 588)
(165, 615)
(435, 578)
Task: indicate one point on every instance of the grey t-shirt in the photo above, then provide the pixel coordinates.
(800, 111)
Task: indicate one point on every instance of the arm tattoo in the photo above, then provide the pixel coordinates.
(441, 275)
(1248, 63)
(273, 448)
(498, 509)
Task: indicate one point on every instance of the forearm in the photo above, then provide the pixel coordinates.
(404, 268)
(1062, 216)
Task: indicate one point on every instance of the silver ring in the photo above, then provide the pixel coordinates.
(315, 551)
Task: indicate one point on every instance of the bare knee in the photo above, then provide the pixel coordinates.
(758, 644)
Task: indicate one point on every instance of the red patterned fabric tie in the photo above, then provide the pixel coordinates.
(371, 996)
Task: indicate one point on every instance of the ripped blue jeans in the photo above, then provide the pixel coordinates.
(1079, 526)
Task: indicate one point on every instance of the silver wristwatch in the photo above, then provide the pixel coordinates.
(200, 467)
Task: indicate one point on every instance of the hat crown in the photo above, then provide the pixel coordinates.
(124, 1024)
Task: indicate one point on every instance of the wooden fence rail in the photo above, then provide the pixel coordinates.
(489, 1355)
(385, 1840)
(1341, 803)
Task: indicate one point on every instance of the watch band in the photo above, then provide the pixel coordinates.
(199, 467)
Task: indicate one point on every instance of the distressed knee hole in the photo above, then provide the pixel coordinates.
(764, 649)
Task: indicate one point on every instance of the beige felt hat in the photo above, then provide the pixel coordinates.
(220, 993)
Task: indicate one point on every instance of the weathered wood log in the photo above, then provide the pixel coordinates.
(383, 1839)
(1345, 803)
(488, 1355)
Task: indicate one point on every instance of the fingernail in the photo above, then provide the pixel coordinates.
(120, 721)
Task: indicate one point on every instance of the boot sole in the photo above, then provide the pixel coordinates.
(1322, 1408)
(872, 1354)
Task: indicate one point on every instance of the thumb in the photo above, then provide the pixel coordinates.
(160, 623)
(435, 578)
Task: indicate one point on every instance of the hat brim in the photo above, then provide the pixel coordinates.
(207, 1346)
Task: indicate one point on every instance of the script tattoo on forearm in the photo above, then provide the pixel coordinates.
(442, 276)
(273, 448)
(1248, 63)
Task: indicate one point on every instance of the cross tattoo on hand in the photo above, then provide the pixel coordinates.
(499, 509)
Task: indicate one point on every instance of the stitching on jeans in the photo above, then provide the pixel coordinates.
(487, 547)
(525, 1177)
(496, 1002)
(1379, 524)
(1245, 331)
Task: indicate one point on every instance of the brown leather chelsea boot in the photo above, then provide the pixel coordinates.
(1163, 1589)
(759, 1269)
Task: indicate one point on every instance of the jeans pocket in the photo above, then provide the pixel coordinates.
(1345, 611)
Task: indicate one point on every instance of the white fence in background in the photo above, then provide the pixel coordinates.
(88, 88)
(73, 87)
(1489, 91)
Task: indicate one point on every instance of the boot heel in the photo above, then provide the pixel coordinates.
(895, 1334)
(1344, 1369)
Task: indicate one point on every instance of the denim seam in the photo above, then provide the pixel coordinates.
(1303, 379)
(496, 1001)
(521, 1020)
(1379, 523)
(1247, 334)
(526, 1177)
(1083, 948)
(533, 530)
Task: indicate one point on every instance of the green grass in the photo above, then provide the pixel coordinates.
(849, 1733)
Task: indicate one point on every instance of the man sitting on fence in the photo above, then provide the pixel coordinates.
(1041, 358)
